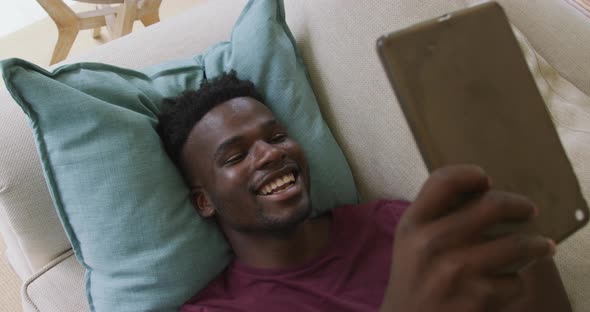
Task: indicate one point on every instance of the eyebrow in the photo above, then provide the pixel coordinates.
(238, 138)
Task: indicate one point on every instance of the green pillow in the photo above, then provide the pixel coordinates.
(123, 204)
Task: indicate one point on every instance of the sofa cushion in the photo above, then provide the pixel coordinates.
(570, 110)
(359, 105)
(58, 286)
(333, 38)
(28, 221)
(124, 206)
(582, 5)
(338, 42)
(558, 32)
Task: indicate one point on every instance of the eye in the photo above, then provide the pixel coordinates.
(234, 159)
(278, 138)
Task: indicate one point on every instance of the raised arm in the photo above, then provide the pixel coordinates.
(442, 260)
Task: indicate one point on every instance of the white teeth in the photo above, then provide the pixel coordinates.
(269, 188)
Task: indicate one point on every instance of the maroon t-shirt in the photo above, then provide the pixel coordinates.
(350, 275)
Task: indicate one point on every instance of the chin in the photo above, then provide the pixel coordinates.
(286, 222)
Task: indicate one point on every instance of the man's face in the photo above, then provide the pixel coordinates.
(245, 169)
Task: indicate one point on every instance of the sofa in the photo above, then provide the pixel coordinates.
(337, 41)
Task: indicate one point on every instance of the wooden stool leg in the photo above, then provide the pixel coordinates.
(150, 12)
(96, 33)
(65, 40)
(125, 18)
(151, 18)
(96, 30)
(67, 24)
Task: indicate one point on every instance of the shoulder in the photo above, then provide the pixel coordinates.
(392, 209)
(386, 212)
(215, 291)
(382, 207)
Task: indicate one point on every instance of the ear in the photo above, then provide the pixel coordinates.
(201, 202)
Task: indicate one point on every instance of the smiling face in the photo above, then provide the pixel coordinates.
(244, 169)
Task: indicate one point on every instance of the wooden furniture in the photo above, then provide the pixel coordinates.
(117, 18)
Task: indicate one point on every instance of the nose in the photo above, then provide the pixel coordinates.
(267, 154)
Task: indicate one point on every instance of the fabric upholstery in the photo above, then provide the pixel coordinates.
(28, 222)
(570, 109)
(558, 32)
(124, 206)
(582, 5)
(358, 103)
(9, 285)
(337, 43)
(58, 286)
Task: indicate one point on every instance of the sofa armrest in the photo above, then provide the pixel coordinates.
(30, 226)
(58, 286)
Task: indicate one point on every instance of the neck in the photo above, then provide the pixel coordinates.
(271, 250)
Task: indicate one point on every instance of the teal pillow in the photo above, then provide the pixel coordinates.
(123, 204)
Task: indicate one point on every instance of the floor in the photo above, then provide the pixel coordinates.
(20, 14)
(35, 43)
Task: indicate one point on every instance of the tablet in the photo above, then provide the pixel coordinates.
(469, 98)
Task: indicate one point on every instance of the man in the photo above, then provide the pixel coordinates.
(246, 173)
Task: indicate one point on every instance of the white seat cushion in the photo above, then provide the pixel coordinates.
(338, 44)
(59, 286)
(28, 221)
(558, 32)
(570, 110)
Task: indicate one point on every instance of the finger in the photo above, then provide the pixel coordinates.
(481, 214)
(498, 292)
(497, 207)
(510, 251)
(507, 288)
(444, 189)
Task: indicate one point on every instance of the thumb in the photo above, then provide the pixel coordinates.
(444, 189)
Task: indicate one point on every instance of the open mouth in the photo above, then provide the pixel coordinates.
(278, 185)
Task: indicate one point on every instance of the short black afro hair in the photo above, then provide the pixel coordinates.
(179, 115)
